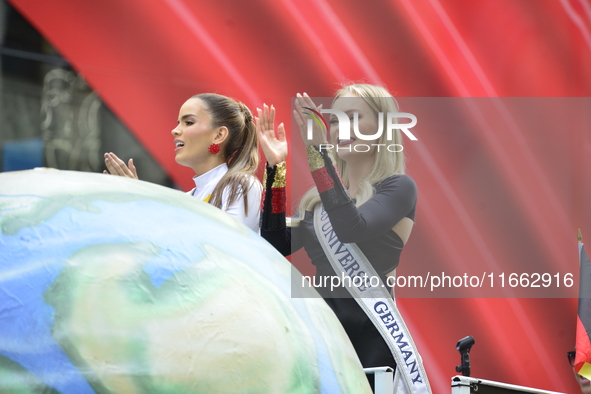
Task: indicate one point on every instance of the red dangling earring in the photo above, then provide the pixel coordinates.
(214, 148)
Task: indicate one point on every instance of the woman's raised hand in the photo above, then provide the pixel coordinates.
(274, 146)
(306, 109)
(116, 166)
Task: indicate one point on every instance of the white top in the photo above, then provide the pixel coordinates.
(204, 185)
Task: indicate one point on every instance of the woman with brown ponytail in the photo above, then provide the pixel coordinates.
(216, 137)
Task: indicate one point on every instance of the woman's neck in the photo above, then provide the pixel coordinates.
(206, 166)
(355, 172)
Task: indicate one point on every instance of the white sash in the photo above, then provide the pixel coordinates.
(348, 261)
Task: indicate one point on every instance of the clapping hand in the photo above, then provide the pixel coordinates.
(116, 166)
(274, 146)
(305, 108)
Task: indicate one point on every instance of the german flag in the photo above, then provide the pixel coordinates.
(583, 335)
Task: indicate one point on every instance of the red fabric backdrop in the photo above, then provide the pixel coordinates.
(145, 57)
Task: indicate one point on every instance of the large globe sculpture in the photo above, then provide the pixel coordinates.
(110, 285)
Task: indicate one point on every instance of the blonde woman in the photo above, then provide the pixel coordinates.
(366, 199)
(216, 137)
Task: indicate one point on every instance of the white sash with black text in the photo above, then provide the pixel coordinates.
(372, 295)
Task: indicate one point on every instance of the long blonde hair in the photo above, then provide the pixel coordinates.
(385, 164)
(241, 150)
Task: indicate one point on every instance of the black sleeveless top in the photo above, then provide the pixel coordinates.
(369, 226)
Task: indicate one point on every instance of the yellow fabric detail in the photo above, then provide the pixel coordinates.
(280, 171)
(315, 159)
(585, 371)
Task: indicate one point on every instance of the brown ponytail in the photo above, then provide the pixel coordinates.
(240, 151)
